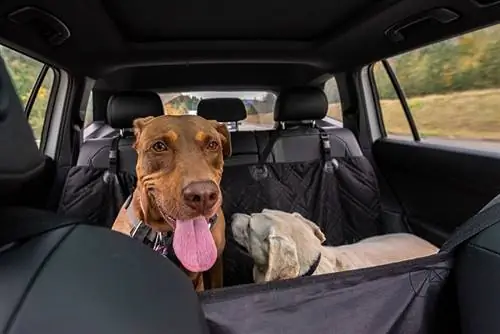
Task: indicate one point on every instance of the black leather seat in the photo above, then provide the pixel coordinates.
(245, 144)
(86, 279)
(478, 273)
(298, 139)
(75, 278)
(123, 109)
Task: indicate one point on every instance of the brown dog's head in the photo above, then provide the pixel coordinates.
(179, 167)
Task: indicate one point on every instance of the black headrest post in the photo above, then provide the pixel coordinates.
(301, 104)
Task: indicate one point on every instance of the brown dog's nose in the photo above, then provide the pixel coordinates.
(201, 196)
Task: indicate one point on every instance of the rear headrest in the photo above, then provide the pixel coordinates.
(299, 104)
(222, 109)
(125, 107)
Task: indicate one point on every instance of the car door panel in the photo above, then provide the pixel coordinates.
(438, 187)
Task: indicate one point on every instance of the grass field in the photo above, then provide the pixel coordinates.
(464, 115)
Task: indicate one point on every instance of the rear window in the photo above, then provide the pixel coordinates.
(259, 106)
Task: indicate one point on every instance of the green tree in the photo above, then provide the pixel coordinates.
(24, 71)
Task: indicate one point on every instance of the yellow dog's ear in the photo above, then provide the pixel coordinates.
(315, 228)
(226, 138)
(283, 260)
(139, 124)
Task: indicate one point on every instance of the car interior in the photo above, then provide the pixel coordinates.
(64, 271)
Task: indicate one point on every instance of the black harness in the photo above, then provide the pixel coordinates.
(313, 267)
(160, 242)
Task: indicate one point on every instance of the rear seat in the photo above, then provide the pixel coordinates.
(123, 109)
(245, 144)
(338, 191)
(297, 138)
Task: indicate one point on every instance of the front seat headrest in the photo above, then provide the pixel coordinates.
(299, 104)
(222, 109)
(125, 107)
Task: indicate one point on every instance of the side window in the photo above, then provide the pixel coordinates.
(332, 93)
(89, 111)
(452, 89)
(393, 115)
(33, 82)
(259, 106)
(260, 112)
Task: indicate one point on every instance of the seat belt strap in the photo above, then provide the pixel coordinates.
(114, 155)
(270, 145)
(331, 164)
(76, 143)
(472, 227)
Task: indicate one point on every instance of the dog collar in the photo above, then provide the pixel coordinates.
(313, 267)
(160, 242)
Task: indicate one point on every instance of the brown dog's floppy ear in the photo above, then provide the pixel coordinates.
(139, 124)
(283, 260)
(226, 138)
(316, 230)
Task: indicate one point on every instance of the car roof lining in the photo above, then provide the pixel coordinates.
(155, 21)
(196, 50)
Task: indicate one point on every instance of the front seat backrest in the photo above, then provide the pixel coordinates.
(21, 164)
(123, 109)
(77, 279)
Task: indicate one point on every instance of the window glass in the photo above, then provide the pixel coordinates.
(39, 110)
(24, 72)
(259, 106)
(452, 88)
(333, 96)
(89, 111)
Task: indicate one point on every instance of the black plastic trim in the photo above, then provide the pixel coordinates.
(374, 90)
(50, 107)
(35, 89)
(402, 99)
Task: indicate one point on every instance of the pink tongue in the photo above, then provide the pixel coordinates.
(194, 244)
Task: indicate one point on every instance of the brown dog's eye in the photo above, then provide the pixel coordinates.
(213, 145)
(159, 146)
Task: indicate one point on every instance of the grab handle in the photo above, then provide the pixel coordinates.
(441, 15)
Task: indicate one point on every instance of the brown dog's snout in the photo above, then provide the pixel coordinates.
(201, 196)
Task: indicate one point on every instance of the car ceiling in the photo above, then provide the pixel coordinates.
(220, 43)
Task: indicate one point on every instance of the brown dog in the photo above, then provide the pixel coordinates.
(179, 169)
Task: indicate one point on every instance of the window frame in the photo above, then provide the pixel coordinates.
(34, 92)
(376, 97)
(329, 119)
(50, 103)
(447, 137)
(50, 107)
(35, 89)
(223, 91)
(399, 93)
